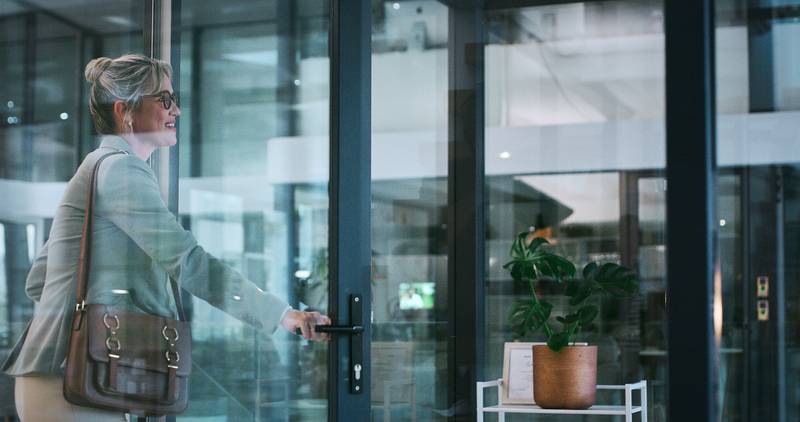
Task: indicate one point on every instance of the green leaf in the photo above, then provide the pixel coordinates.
(518, 249)
(573, 287)
(589, 270)
(528, 315)
(536, 242)
(571, 318)
(558, 341)
(583, 290)
(612, 279)
(587, 314)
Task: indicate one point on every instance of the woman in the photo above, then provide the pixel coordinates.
(137, 242)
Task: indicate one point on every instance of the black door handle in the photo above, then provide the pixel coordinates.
(336, 329)
(357, 368)
(339, 329)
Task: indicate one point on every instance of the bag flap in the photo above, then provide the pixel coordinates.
(141, 339)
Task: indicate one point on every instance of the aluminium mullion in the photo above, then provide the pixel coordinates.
(349, 196)
(691, 212)
(465, 206)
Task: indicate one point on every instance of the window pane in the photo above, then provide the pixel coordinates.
(757, 203)
(254, 79)
(575, 153)
(409, 210)
(45, 131)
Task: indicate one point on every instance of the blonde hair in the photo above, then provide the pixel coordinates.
(127, 78)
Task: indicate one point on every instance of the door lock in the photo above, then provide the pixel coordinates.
(357, 371)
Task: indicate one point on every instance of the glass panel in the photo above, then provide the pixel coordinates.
(409, 204)
(45, 131)
(254, 79)
(575, 153)
(758, 208)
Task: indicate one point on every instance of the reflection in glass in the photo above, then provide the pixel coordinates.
(409, 203)
(253, 189)
(758, 206)
(45, 130)
(575, 152)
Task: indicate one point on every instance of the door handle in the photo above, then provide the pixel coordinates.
(356, 368)
(339, 329)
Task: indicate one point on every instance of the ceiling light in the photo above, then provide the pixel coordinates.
(119, 20)
(505, 155)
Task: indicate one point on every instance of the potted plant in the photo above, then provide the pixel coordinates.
(564, 374)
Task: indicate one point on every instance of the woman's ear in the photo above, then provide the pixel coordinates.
(122, 115)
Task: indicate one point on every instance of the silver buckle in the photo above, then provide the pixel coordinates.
(168, 329)
(80, 307)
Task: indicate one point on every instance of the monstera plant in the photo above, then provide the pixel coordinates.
(531, 262)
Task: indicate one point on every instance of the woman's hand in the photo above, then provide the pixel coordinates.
(305, 322)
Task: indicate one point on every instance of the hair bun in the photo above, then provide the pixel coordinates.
(96, 67)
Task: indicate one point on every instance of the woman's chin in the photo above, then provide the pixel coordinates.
(167, 139)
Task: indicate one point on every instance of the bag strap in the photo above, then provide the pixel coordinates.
(85, 257)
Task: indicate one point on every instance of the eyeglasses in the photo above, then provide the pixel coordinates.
(166, 98)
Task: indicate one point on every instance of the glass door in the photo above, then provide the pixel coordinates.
(253, 188)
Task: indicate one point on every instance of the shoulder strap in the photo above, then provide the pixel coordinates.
(85, 257)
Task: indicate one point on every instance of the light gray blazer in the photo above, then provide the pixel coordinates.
(136, 243)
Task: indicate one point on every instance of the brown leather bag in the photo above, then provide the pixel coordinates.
(121, 360)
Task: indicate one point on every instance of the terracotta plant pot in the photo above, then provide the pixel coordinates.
(566, 379)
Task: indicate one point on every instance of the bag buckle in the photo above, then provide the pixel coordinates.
(80, 307)
(173, 357)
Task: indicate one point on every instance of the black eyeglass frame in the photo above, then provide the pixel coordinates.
(167, 99)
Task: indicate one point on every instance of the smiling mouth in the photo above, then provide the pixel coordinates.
(170, 125)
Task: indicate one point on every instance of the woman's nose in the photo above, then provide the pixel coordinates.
(176, 111)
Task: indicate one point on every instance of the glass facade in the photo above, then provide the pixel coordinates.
(253, 173)
(757, 201)
(574, 137)
(578, 157)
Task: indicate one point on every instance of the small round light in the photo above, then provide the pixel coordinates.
(12, 120)
(505, 155)
(10, 104)
(722, 222)
(302, 274)
(64, 116)
(297, 82)
(396, 6)
(237, 297)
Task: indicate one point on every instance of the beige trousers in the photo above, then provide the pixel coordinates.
(41, 399)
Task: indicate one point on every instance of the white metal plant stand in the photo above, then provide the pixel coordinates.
(627, 410)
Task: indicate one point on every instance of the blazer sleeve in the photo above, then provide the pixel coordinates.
(128, 195)
(36, 277)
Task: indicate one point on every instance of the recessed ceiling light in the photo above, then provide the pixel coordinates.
(119, 20)
(505, 155)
